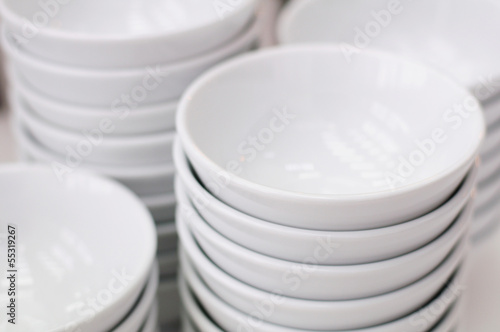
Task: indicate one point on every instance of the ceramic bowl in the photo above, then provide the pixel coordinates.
(231, 319)
(167, 236)
(161, 207)
(447, 41)
(319, 315)
(143, 308)
(95, 145)
(105, 88)
(355, 247)
(168, 301)
(151, 324)
(67, 224)
(287, 157)
(308, 279)
(137, 34)
(127, 120)
(145, 180)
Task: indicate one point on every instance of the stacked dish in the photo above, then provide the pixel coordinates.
(102, 95)
(447, 41)
(318, 195)
(81, 253)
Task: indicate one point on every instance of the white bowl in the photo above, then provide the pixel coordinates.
(308, 280)
(446, 41)
(346, 247)
(286, 157)
(141, 179)
(123, 33)
(143, 85)
(168, 301)
(161, 207)
(231, 319)
(143, 119)
(151, 324)
(167, 237)
(65, 245)
(320, 315)
(143, 308)
(95, 145)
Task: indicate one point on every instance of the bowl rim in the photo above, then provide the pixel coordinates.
(460, 197)
(203, 161)
(459, 226)
(244, 37)
(12, 17)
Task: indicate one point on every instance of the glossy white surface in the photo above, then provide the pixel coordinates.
(322, 315)
(151, 324)
(95, 145)
(99, 87)
(126, 120)
(323, 282)
(346, 247)
(141, 179)
(143, 307)
(448, 39)
(305, 150)
(124, 33)
(65, 252)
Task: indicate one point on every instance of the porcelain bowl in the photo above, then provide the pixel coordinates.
(123, 33)
(447, 41)
(67, 225)
(143, 180)
(304, 150)
(322, 315)
(348, 247)
(95, 146)
(127, 119)
(308, 279)
(150, 84)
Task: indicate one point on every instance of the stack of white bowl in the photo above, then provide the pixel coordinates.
(96, 86)
(448, 41)
(320, 195)
(82, 254)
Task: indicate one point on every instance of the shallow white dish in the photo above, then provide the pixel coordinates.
(124, 33)
(67, 225)
(319, 169)
(321, 315)
(231, 319)
(167, 236)
(336, 248)
(169, 303)
(126, 119)
(95, 87)
(168, 263)
(151, 324)
(447, 41)
(141, 179)
(96, 146)
(321, 282)
(161, 207)
(142, 309)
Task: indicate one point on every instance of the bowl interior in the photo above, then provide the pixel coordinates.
(307, 120)
(447, 40)
(117, 17)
